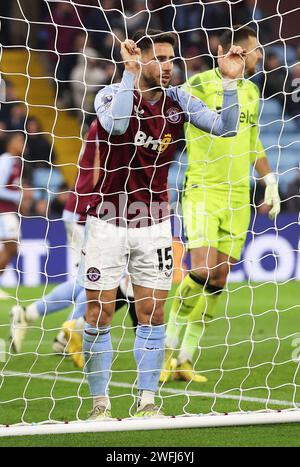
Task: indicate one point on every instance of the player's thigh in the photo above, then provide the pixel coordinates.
(9, 227)
(201, 219)
(234, 229)
(104, 255)
(203, 259)
(151, 257)
(224, 263)
(149, 304)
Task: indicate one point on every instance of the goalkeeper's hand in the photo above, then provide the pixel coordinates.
(272, 197)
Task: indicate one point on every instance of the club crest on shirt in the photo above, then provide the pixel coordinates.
(93, 274)
(173, 115)
(138, 111)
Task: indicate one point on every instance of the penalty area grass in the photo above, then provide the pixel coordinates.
(248, 354)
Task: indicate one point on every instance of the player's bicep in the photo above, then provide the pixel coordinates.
(113, 105)
(103, 102)
(103, 106)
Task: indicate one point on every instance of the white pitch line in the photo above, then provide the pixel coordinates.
(116, 384)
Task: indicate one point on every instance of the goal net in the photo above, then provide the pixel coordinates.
(240, 363)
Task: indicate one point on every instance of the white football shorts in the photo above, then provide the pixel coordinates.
(109, 250)
(9, 226)
(75, 237)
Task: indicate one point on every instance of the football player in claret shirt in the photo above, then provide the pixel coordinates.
(63, 295)
(12, 198)
(128, 225)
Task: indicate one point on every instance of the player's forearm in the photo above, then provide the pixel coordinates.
(262, 167)
(227, 122)
(202, 117)
(10, 195)
(115, 119)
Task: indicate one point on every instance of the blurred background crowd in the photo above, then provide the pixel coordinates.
(82, 43)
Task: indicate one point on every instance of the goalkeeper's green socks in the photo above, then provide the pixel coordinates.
(202, 314)
(187, 296)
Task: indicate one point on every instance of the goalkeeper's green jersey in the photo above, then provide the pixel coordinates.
(218, 163)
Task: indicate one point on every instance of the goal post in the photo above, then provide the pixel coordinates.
(166, 423)
(245, 362)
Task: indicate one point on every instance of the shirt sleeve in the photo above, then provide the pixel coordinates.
(5, 170)
(257, 149)
(201, 116)
(113, 105)
(70, 216)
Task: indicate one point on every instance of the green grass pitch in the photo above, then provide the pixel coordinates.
(248, 354)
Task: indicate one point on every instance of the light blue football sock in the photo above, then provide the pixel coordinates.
(62, 296)
(149, 355)
(98, 354)
(80, 306)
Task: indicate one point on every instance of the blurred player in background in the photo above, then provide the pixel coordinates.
(62, 296)
(216, 205)
(139, 123)
(14, 199)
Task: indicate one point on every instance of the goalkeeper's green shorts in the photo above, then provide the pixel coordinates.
(216, 220)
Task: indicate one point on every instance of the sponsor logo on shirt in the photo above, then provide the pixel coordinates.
(173, 115)
(159, 145)
(245, 117)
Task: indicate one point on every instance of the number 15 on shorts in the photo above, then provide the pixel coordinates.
(165, 259)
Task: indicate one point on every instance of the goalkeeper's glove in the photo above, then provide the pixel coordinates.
(272, 197)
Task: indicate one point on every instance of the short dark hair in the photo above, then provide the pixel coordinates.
(145, 39)
(236, 35)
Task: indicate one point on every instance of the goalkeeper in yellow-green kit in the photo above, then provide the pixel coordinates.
(216, 205)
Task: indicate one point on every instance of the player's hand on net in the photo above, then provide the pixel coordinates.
(232, 64)
(131, 55)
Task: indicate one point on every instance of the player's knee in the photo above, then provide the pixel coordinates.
(158, 317)
(202, 273)
(11, 249)
(152, 315)
(220, 283)
(217, 278)
(99, 314)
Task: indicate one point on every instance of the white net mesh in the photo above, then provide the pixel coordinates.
(55, 57)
